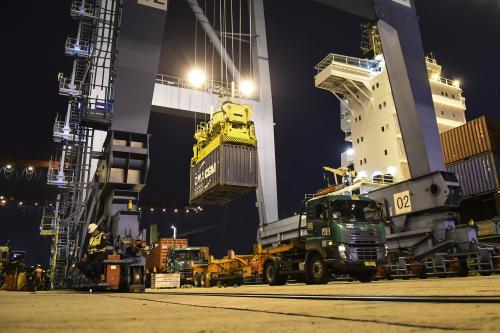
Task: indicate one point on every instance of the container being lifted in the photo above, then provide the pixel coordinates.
(224, 162)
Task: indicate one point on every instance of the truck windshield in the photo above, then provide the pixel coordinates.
(185, 255)
(355, 210)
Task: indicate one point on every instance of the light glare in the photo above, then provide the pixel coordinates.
(196, 78)
(247, 88)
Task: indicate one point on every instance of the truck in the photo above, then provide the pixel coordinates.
(333, 235)
(171, 255)
(342, 235)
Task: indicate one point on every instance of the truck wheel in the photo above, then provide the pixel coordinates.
(365, 277)
(271, 275)
(316, 270)
(203, 280)
(196, 280)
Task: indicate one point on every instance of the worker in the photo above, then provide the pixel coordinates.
(473, 225)
(39, 274)
(91, 263)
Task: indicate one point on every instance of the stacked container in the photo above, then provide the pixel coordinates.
(472, 152)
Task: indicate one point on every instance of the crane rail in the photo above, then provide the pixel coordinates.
(360, 298)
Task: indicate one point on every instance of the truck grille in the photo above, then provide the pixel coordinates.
(358, 237)
(366, 253)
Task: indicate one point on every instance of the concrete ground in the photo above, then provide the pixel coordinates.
(163, 311)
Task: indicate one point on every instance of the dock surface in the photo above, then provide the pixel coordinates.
(469, 304)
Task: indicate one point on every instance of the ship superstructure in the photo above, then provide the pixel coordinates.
(368, 112)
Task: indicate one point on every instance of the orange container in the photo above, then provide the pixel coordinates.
(479, 136)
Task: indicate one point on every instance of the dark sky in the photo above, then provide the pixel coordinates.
(463, 34)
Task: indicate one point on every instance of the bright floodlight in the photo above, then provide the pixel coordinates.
(435, 77)
(8, 166)
(456, 83)
(196, 78)
(391, 170)
(30, 168)
(247, 88)
(349, 152)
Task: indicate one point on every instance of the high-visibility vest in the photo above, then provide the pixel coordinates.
(94, 242)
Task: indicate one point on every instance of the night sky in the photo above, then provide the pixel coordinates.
(463, 34)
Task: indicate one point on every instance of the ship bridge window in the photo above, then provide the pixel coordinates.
(385, 152)
(382, 128)
(385, 104)
(380, 106)
(442, 112)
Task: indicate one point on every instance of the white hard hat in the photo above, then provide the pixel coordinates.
(92, 227)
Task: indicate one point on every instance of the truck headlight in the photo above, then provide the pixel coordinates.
(386, 250)
(342, 251)
(330, 243)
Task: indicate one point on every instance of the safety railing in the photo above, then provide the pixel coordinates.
(211, 86)
(352, 61)
(57, 177)
(63, 132)
(443, 80)
(76, 47)
(48, 225)
(83, 9)
(67, 87)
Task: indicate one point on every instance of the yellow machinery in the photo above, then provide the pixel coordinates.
(230, 124)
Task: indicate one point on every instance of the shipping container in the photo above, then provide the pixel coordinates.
(478, 174)
(157, 258)
(479, 136)
(225, 174)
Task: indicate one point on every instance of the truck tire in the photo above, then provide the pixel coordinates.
(316, 270)
(271, 275)
(203, 280)
(196, 280)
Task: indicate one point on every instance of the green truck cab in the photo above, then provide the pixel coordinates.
(345, 235)
(342, 235)
(181, 260)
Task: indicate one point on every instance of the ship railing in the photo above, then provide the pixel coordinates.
(352, 61)
(453, 83)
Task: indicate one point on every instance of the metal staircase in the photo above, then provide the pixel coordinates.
(89, 106)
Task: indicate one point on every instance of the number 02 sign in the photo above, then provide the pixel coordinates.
(402, 202)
